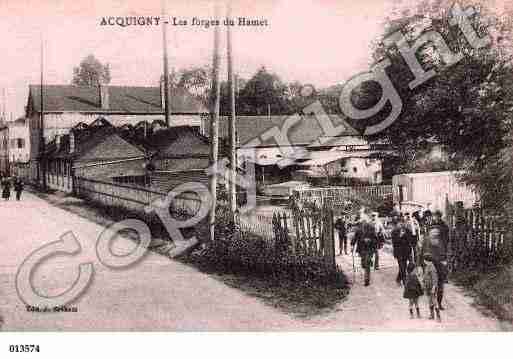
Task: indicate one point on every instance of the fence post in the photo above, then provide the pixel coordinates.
(328, 239)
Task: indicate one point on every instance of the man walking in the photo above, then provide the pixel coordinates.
(18, 188)
(365, 241)
(434, 246)
(401, 243)
(414, 227)
(340, 226)
(379, 228)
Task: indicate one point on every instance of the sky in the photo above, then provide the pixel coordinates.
(321, 42)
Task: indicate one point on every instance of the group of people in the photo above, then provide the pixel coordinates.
(8, 183)
(418, 241)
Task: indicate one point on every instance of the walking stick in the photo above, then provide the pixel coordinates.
(354, 269)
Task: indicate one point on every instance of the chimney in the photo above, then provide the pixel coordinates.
(104, 96)
(71, 142)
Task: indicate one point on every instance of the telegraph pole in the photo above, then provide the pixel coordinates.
(214, 127)
(166, 63)
(232, 119)
(42, 159)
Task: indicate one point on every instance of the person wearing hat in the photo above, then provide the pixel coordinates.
(366, 242)
(341, 227)
(434, 247)
(380, 236)
(414, 228)
(401, 245)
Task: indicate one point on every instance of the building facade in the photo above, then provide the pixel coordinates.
(66, 106)
(286, 148)
(98, 151)
(4, 150)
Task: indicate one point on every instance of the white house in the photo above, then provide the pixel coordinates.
(303, 150)
(19, 141)
(431, 189)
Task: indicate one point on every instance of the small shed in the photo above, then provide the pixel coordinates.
(430, 189)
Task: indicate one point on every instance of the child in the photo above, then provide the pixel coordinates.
(431, 286)
(412, 289)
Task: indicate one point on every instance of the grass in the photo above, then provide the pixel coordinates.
(304, 300)
(492, 289)
(106, 216)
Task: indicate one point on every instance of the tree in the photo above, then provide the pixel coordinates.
(91, 72)
(264, 91)
(465, 107)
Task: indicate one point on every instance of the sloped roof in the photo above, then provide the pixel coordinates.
(322, 158)
(163, 138)
(86, 139)
(122, 99)
(303, 130)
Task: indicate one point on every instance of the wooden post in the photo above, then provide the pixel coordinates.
(232, 120)
(214, 127)
(42, 159)
(166, 65)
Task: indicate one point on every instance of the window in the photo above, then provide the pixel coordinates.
(21, 142)
(355, 169)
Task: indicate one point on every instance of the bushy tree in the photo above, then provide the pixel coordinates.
(91, 72)
(465, 107)
(262, 92)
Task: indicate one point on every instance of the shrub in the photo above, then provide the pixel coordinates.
(237, 251)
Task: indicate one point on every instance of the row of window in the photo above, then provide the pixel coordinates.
(14, 143)
(17, 143)
(59, 168)
(133, 180)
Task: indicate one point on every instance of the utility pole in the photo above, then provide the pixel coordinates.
(214, 127)
(232, 119)
(166, 64)
(42, 159)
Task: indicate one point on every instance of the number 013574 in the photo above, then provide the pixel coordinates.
(24, 348)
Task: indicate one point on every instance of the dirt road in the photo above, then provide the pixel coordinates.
(158, 294)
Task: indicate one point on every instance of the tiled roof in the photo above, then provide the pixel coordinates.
(86, 139)
(162, 138)
(305, 131)
(122, 99)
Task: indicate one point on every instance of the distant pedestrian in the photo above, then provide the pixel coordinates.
(431, 281)
(18, 188)
(341, 227)
(6, 192)
(365, 242)
(413, 289)
(401, 243)
(414, 227)
(380, 236)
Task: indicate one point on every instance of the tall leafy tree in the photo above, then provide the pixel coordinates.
(466, 107)
(262, 92)
(91, 72)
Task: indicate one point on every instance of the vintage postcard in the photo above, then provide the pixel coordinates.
(273, 165)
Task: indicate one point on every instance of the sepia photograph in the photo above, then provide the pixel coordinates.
(256, 166)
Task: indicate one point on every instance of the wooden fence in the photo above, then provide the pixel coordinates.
(478, 239)
(259, 225)
(340, 194)
(133, 198)
(307, 234)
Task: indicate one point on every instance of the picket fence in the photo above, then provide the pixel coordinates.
(478, 239)
(334, 195)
